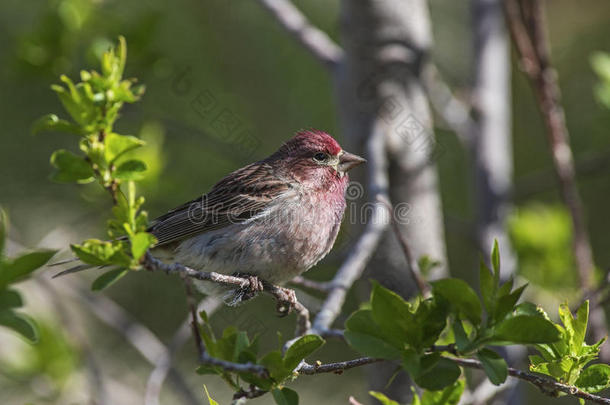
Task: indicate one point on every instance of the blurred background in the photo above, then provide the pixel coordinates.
(225, 85)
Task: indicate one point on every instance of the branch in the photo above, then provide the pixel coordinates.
(138, 335)
(422, 286)
(546, 385)
(302, 282)
(337, 368)
(453, 111)
(314, 40)
(530, 40)
(163, 364)
(285, 298)
(363, 250)
(257, 369)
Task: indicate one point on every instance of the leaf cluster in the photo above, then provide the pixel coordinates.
(568, 359)
(93, 105)
(392, 328)
(235, 346)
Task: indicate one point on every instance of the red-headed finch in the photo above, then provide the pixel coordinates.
(273, 219)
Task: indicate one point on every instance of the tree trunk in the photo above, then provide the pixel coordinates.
(386, 46)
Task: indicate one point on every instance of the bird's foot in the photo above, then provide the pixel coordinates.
(286, 301)
(249, 291)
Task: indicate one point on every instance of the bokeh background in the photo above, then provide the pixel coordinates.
(232, 52)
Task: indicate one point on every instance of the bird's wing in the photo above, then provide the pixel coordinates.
(238, 197)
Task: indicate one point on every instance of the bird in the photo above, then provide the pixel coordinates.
(273, 219)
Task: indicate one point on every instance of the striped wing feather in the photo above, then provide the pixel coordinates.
(238, 197)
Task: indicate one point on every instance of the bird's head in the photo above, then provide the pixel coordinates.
(316, 158)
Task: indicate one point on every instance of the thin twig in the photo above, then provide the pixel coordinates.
(137, 334)
(193, 311)
(302, 282)
(285, 298)
(164, 362)
(453, 111)
(249, 367)
(422, 286)
(530, 40)
(314, 40)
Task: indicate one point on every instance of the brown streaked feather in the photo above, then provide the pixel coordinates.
(236, 198)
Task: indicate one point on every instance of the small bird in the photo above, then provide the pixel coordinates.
(273, 219)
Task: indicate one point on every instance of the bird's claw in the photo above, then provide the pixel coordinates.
(287, 303)
(250, 290)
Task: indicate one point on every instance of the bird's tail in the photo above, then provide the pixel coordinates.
(74, 269)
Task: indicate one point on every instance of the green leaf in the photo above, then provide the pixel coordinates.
(70, 168)
(382, 398)
(10, 299)
(594, 379)
(116, 145)
(207, 394)
(363, 334)
(393, 316)
(461, 339)
(437, 373)
(488, 287)
(140, 243)
(372, 346)
(19, 323)
(107, 279)
(300, 349)
(449, 396)
(274, 363)
(21, 267)
(526, 329)
(52, 122)
(494, 365)
(461, 296)
(3, 231)
(495, 261)
(506, 303)
(130, 170)
(285, 396)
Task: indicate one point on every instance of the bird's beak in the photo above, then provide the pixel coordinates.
(348, 161)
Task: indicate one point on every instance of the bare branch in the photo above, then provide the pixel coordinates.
(453, 111)
(285, 298)
(138, 335)
(363, 250)
(422, 286)
(163, 365)
(303, 282)
(530, 40)
(314, 40)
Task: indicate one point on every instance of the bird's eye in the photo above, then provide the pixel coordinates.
(320, 157)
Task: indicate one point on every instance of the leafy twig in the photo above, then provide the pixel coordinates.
(546, 385)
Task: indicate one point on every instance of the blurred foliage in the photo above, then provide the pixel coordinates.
(53, 361)
(541, 235)
(12, 271)
(235, 346)
(601, 65)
